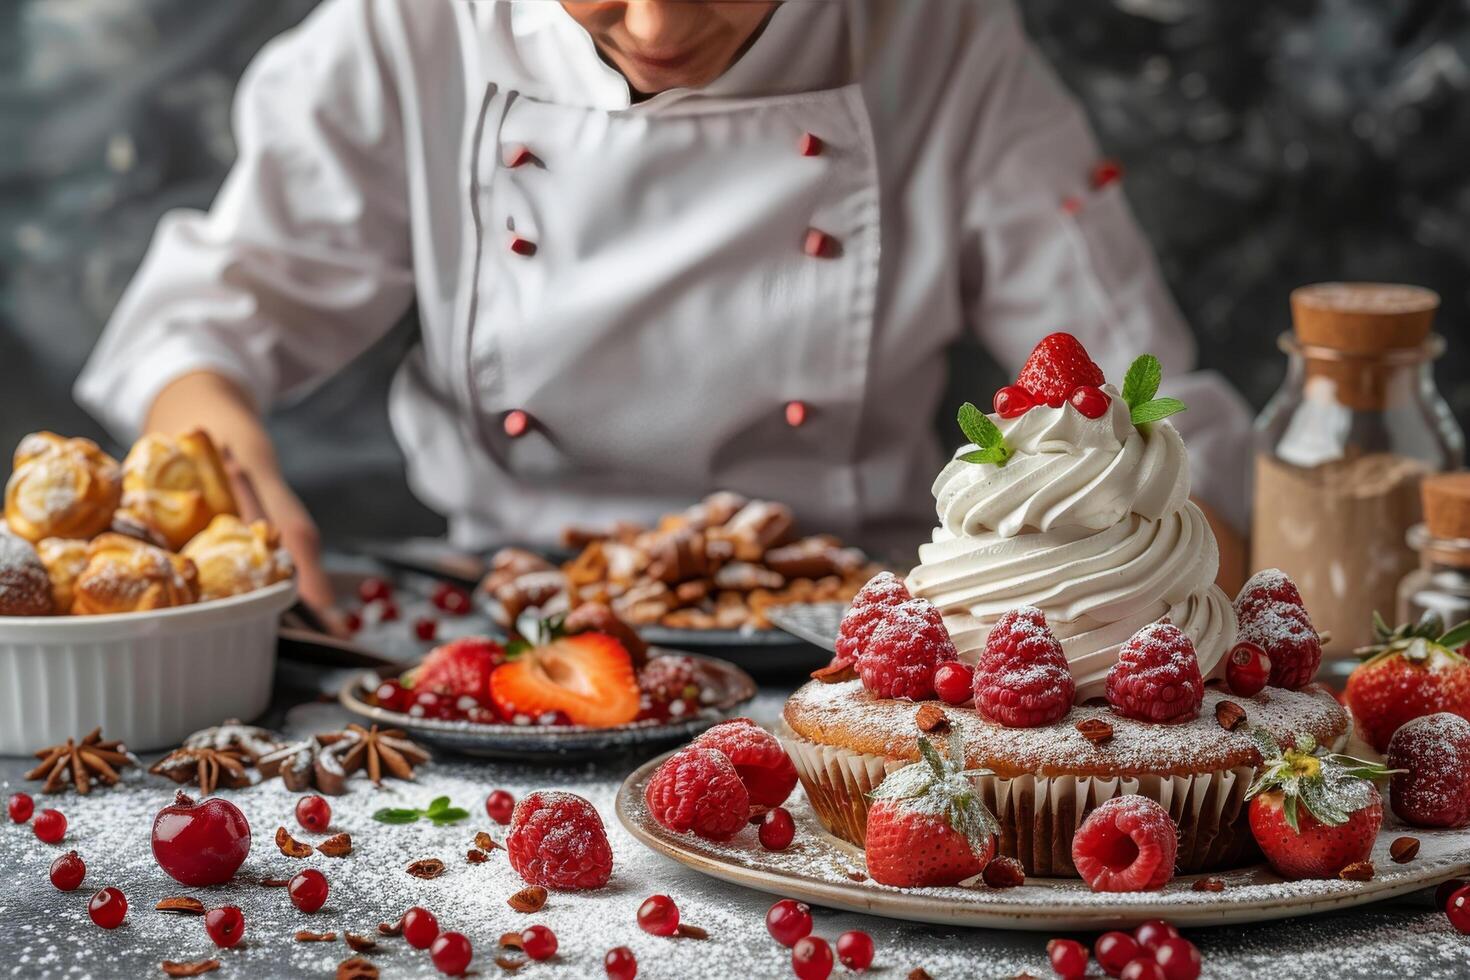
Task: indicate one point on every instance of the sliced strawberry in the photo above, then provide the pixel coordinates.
(461, 666)
(589, 677)
(1058, 366)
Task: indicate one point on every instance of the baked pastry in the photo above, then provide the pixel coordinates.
(24, 588)
(172, 487)
(234, 557)
(63, 488)
(124, 574)
(64, 559)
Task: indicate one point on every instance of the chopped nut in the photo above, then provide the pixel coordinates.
(857, 876)
(181, 903)
(291, 847)
(1230, 715)
(931, 718)
(510, 964)
(511, 940)
(919, 973)
(356, 968)
(1004, 872)
(1357, 871)
(190, 969)
(1404, 849)
(274, 882)
(531, 899)
(485, 842)
(1208, 885)
(336, 846)
(427, 868)
(1095, 730)
(360, 944)
(476, 856)
(390, 928)
(836, 672)
(316, 937)
(692, 932)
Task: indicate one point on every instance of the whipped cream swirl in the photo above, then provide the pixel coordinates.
(1090, 521)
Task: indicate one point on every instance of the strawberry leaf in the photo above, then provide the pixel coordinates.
(1156, 410)
(1456, 637)
(1141, 383)
(990, 442)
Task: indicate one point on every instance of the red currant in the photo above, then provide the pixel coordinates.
(1149, 934)
(50, 826)
(1179, 959)
(387, 611)
(811, 958)
(1143, 969)
(954, 682)
(1090, 400)
(539, 942)
(426, 628)
(855, 950)
(1247, 669)
(658, 916)
(499, 805)
(391, 696)
(451, 953)
(777, 829)
(620, 963)
(225, 925)
(1068, 958)
(1446, 889)
(352, 621)
(451, 599)
(308, 890)
(420, 928)
(1115, 950)
(1013, 401)
(108, 908)
(1458, 910)
(374, 589)
(313, 813)
(68, 871)
(21, 807)
(789, 920)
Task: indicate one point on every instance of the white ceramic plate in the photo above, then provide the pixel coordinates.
(822, 870)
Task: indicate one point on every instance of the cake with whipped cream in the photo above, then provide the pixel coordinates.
(1064, 631)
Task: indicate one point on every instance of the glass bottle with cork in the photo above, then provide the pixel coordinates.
(1342, 447)
(1441, 583)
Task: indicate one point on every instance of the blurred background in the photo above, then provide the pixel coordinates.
(1264, 145)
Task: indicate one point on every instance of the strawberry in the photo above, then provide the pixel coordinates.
(1412, 671)
(588, 677)
(1271, 614)
(1057, 366)
(927, 825)
(1313, 813)
(459, 667)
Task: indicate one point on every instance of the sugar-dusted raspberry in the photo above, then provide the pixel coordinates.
(557, 840)
(907, 643)
(1268, 587)
(1126, 845)
(1157, 676)
(883, 591)
(698, 789)
(762, 763)
(1270, 613)
(1021, 678)
(1434, 791)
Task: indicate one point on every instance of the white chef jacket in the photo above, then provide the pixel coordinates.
(619, 301)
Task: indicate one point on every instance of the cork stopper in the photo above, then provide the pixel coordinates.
(1447, 505)
(1363, 317)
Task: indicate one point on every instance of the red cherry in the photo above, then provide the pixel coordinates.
(1143, 969)
(1446, 889)
(855, 950)
(1115, 950)
(811, 958)
(777, 829)
(387, 611)
(374, 589)
(1149, 934)
(50, 826)
(499, 805)
(620, 963)
(420, 927)
(1013, 401)
(225, 925)
(1179, 959)
(658, 916)
(954, 682)
(308, 890)
(21, 807)
(1090, 401)
(352, 621)
(200, 844)
(313, 813)
(1068, 958)
(539, 942)
(68, 871)
(1247, 669)
(452, 953)
(108, 908)
(1458, 910)
(391, 696)
(426, 628)
(788, 920)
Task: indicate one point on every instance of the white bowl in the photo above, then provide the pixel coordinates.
(148, 678)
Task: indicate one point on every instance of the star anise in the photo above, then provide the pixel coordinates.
(377, 750)
(81, 763)
(209, 767)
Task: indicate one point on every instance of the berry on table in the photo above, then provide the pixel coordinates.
(1457, 909)
(420, 928)
(426, 628)
(202, 843)
(1143, 968)
(620, 963)
(387, 611)
(1115, 950)
(1151, 933)
(451, 953)
(1156, 676)
(314, 813)
(658, 916)
(225, 925)
(21, 807)
(1021, 678)
(954, 682)
(1012, 401)
(1128, 844)
(68, 871)
(1433, 787)
(789, 920)
(373, 589)
(538, 942)
(557, 840)
(1090, 400)
(855, 950)
(1179, 959)
(450, 598)
(1446, 889)
(777, 829)
(352, 621)
(811, 958)
(499, 805)
(50, 826)
(698, 789)
(108, 908)
(1247, 669)
(308, 890)
(1068, 958)
(761, 763)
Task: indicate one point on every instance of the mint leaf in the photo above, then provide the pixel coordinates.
(388, 815)
(438, 804)
(978, 428)
(448, 815)
(995, 456)
(1142, 380)
(1158, 408)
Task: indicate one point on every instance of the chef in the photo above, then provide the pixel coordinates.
(657, 248)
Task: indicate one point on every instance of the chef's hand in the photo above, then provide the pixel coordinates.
(216, 404)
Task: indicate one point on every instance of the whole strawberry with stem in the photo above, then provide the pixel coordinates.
(1058, 366)
(927, 824)
(1409, 672)
(1312, 812)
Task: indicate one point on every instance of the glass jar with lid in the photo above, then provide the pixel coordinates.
(1342, 447)
(1441, 583)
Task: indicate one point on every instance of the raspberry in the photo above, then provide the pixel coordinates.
(1126, 845)
(1271, 615)
(1268, 587)
(764, 767)
(883, 592)
(670, 678)
(1022, 679)
(556, 840)
(699, 789)
(1435, 789)
(1157, 676)
(903, 650)
(1058, 365)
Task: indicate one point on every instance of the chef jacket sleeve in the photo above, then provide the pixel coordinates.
(1046, 250)
(303, 261)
